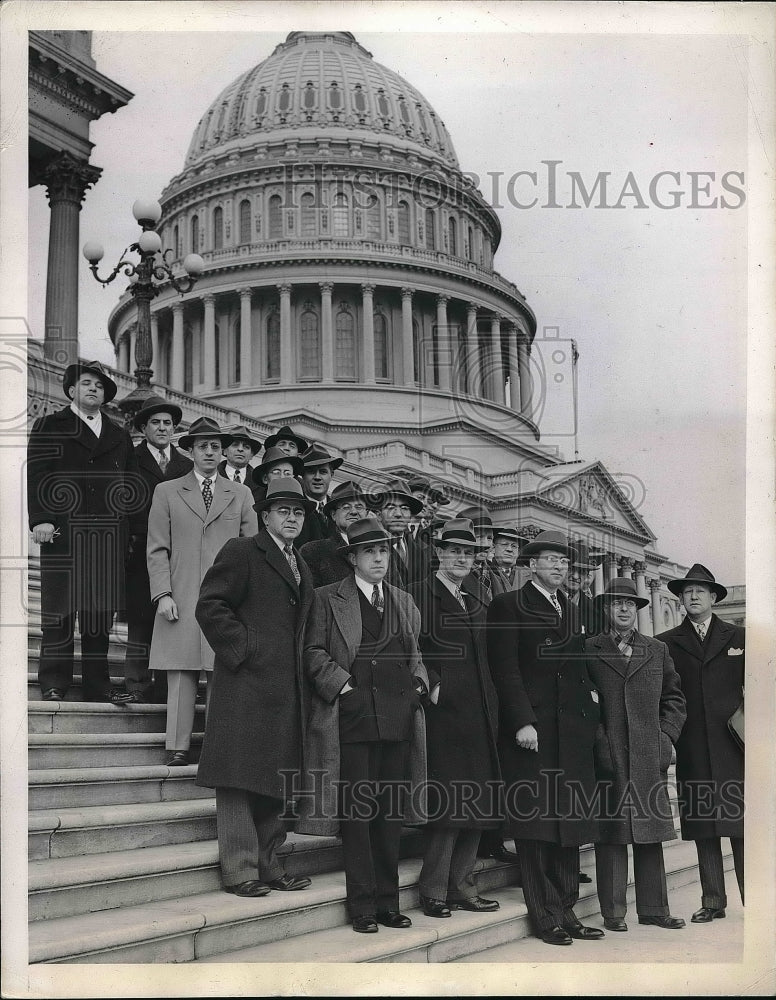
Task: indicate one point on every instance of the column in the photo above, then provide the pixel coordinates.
(209, 302)
(599, 586)
(246, 338)
(407, 338)
(657, 611)
(644, 622)
(132, 359)
(124, 353)
(327, 332)
(443, 345)
(286, 376)
(222, 319)
(524, 373)
(496, 380)
(155, 343)
(176, 381)
(610, 567)
(473, 361)
(66, 180)
(626, 568)
(367, 293)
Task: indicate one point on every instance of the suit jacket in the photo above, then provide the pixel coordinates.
(183, 540)
(327, 564)
(90, 490)
(501, 582)
(316, 526)
(709, 763)
(642, 714)
(253, 613)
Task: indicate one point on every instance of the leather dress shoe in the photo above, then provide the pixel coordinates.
(365, 924)
(555, 935)
(253, 887)
(287, 882)
(706, 914)
(670, 923)
(476, 903)
(392, 918)
(434, 907)
(53, 694)
(178, 758)
(500, 853)
(127, 698)
(581, 933)
(584, 877)
(613, 924)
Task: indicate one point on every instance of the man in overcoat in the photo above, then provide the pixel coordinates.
(367, 676)
(548, 717)
(242, 447)
(709, 656)
(253, 607)
(190, 519)
(318, 466)
(158, 460)
(325, 557)
(480, 583)
(396, 507)
(503, 563)
(642, 714)
(577, 587)
(287, 441)
(83, 489)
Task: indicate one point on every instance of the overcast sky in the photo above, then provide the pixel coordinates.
(656, 298)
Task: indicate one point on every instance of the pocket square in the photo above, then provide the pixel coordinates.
(594, 696)
(735, 652)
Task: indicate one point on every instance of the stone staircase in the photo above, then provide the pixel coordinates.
(123, 860)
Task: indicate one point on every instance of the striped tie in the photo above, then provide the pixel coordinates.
(163, 462)
(377, 601)
(556, 604)
(701, 630)
(289, 553)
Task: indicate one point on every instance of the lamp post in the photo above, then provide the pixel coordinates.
(153, 264)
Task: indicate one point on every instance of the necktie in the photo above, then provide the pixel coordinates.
(377, 600)
(289, 554)
(207, 494)
(485, 581)
(163, 462)
(237, 476)
(624, 646)
(556, 604)
(701, 629)
(459, 597)
(401, 548)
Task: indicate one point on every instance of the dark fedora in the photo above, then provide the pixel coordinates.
(418, 484)
(239, 432)
(459, 531)
(203, 427)
(479, 516)
(340, 494)
(698, 574)
(285, 434)
(366, 531)
(156, 404)
(503, 531)
(581, 558)
(397, 488)
(555, 541)
(286, 488)
(621, 586)
(317, 455)
(272, 457)
(74, 372)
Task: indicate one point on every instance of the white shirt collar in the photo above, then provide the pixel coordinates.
(454, 588)
(546, 593)
(231, 469)
(706, 622)
(367, 588)
(95, 424)
(201, 479)
(280, 542)
(158, 452)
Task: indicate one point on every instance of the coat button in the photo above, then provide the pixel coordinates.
(375, 690)
(548, 642)
(374, 663)
(293, 600)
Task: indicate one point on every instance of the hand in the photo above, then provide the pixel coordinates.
(527, 738)
(134, 545)
(167, 608)
(434, 696)
(43, 533)
(346, 687)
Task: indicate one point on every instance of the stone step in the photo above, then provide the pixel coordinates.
(117, 647)
(98, 750)
(74, 692)
(99, 717)
(75, 787)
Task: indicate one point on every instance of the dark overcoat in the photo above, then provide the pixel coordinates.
(709, 763)
(642, 714)
(253, 614)
(332, 642)
(90, 490)
(462, 727)
(317, 525)
(327, 563)
(500, 581)
(540, 673)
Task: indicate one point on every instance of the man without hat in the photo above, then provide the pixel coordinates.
(318, 468)
(253, 606)
(548, 720)
(365, 726)
(325, 557)
(83, 494)
(396, 507)
(642, 713)
(191, 518)
(242, 447)
(158, 461)
(709, 656)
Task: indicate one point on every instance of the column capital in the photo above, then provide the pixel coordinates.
(610, 557)
(67, 178)
(284, 288)
(442, 299)
(367, 289)
(407, 293)
(208, 298)
(471, 308)
(639, 566)
(326, 287)
(654, 585)
(177, 308)
(626, 562)
(245, 293)
(496, 318)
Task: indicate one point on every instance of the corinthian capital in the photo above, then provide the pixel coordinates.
(67, 178)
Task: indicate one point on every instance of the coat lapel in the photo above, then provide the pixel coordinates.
(191, 495)
(347, 615)
(641, 655)
(223, 495)
(110, 436)
(686, 636)
(276, 559)
(607, 650)
(716, 639)
(147, 462)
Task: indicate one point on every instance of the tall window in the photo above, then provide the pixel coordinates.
(359, 99)
(416, 348)
(176, 243)
(471, 243)
(195, 234)
(345, 345)
(188, 359)
(261, 103)
(284, 101)
(309, 99)
(217, 374)
(236, 348)
(335, 97)
(245, 221)
(374, 229)
(272, 367)
(339, 215)
(404, 224)
(309, 346)
(218, 228)
(167, 359)
(452, 237)
(309, 227)
(275, 218)
(381, 346)
(430, 229)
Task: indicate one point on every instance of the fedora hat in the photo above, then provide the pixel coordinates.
(621, 586)
(581, 558)
(698, 574)
(366, 531)
(479, 516)
(317, 455)
(203, 427)
(156, 404)
(285, 433)
(239, 432)
(286, 488)
(418, 484)
(271, 457)
(73, 372)
(345, 491)
(397, 488)
(458, 531)
(555, 541)
(504, 531)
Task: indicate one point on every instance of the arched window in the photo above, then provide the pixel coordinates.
(309, 227)
(416, 349)
(404, 224)
(176, 244)
(381, 346)
(217, 373)
(404, 111)
(339, 214)
(284, 101)
(309, 346)
(345, 345)
(382, 104)
(471, 243)
(309, 99)
(272, 366)
(236, 349)
(195, 234)
(245, 221)
(359, 99)
(374, 221)
(430, 229)
(261, 103)
(188, 359)
(452, 237)
(275, 218)
(335, 97)
(218, 228)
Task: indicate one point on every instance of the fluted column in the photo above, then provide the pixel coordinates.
(155, 344)
(209, 302)
(599, 584)
(610, 567)
(473, 361)
(327, 332)
(124, 352)
(367, 293)
(176, 380)
(644, 622)
(496, 365)
(626, 568)
(246, 338)
(514, 369)
(657, 610)
(443, 345)
(407, 339)
(286, 375)
(524, 373)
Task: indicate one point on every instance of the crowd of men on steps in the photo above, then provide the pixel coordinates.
(372, 663)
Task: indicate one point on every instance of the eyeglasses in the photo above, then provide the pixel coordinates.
(357, 506)
(623, 602)
(555, 560)
(286, 512)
